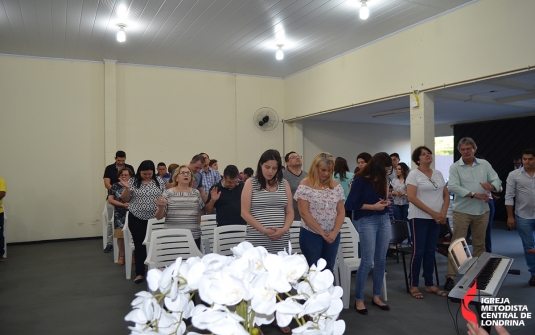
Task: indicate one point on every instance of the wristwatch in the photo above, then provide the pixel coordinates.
(472, 196)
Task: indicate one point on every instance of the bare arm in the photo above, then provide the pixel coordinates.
(2, 194)
(126, 192)
(112, 201)
(288, 220)
(411, 195)
(204, 196)
(510, 216)
(246, 196)
(303, 207)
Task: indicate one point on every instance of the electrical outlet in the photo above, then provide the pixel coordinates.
(80, 223)
(94, 222)
(414, 104)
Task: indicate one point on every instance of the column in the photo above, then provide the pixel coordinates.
(422, 122)
(110, 110)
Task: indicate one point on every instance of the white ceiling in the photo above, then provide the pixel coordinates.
(503, 97)
(236, 36)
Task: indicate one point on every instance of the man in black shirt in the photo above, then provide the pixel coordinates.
(225, 196)
(110, 178)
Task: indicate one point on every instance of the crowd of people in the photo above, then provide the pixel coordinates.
(382, 188)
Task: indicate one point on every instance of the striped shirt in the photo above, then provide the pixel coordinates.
(268, 208)
(182, 210)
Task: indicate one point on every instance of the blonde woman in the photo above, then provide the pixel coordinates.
(181, 204)
(320, 200)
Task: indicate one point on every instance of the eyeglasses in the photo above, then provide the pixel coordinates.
(184, 173)
(294, 157)
(432, 182)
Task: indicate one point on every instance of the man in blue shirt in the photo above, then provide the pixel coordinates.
(470, 180)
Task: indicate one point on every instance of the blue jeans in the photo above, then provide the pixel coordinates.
(315, 247)
(526, 230)
(401, 212)
(425, 236)
(374, 232)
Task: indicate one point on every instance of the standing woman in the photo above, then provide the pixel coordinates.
(267, 205)
(320, 200)
(181, 205)
(367, 199)
(429, 200)
(399, 192)
(141, 193)
(120, 209)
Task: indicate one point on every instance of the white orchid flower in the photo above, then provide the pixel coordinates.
(263, 319)
(242, 269)
(317, 303)
(217, 319)
(293, 267)
(139, 329)
(286, 310)
(264, 296)
(179, 304)
(240, 249)
(332, 326)
(336, 304)
(309, 328)
(321, 281)
(153, 279)
(256, 255)
(193, 276)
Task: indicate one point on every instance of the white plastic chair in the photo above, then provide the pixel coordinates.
(349, 260)
(294, 237)
(153, 225)
(168, 244)
(128, 248)
(208, 223)
(226, 237)
(105, 223)
(460, 255)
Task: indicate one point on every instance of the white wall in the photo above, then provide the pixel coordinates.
(347, 140)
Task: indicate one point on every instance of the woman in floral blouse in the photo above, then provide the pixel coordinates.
(320, 200)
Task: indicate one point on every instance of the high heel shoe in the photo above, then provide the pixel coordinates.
(120, 261)
(139, 280)
(384, 307)
(361, 311)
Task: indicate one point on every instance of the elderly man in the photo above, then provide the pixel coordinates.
(521, 192)
(225, 196)
(470, 180)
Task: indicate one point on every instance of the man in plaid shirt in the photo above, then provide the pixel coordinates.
(210, 177)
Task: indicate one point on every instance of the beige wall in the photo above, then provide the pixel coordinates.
(52, 133)
(51, 130)
(347, 140)
(481, 39)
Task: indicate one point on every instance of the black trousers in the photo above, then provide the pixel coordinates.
(2, 251)
(138, 230)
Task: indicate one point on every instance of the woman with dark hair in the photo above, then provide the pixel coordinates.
(399, 192)
(429, 200)
(367, 199)
(141, 193)
(181, 205)
(266, 204)
(362, 159)
(320, 200)
(120, 209)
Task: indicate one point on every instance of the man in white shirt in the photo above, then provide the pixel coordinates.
(521, 193)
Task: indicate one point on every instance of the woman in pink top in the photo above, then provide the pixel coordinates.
(320, 200)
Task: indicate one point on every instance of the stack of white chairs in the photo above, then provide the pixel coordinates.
(167, 245)
(208, 223)
(152, 226)
(294, 237)
(226, 237)
(349, 260)
(128, 249)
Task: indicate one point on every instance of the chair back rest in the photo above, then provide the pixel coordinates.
(105, 212)
(460, 253)
(153, 225)
(226, 237)
(294, 237)
(126, 232)
(208, 223)
(349, 240)
(399, 231)
(167, 245)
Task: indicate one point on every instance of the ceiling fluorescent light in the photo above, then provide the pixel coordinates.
(279, 55)
(121, 34)
(364, 12)
(392, 112)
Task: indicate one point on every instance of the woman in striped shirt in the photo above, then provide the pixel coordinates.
(181, 204)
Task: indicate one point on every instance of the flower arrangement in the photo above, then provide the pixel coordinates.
(241, 292)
